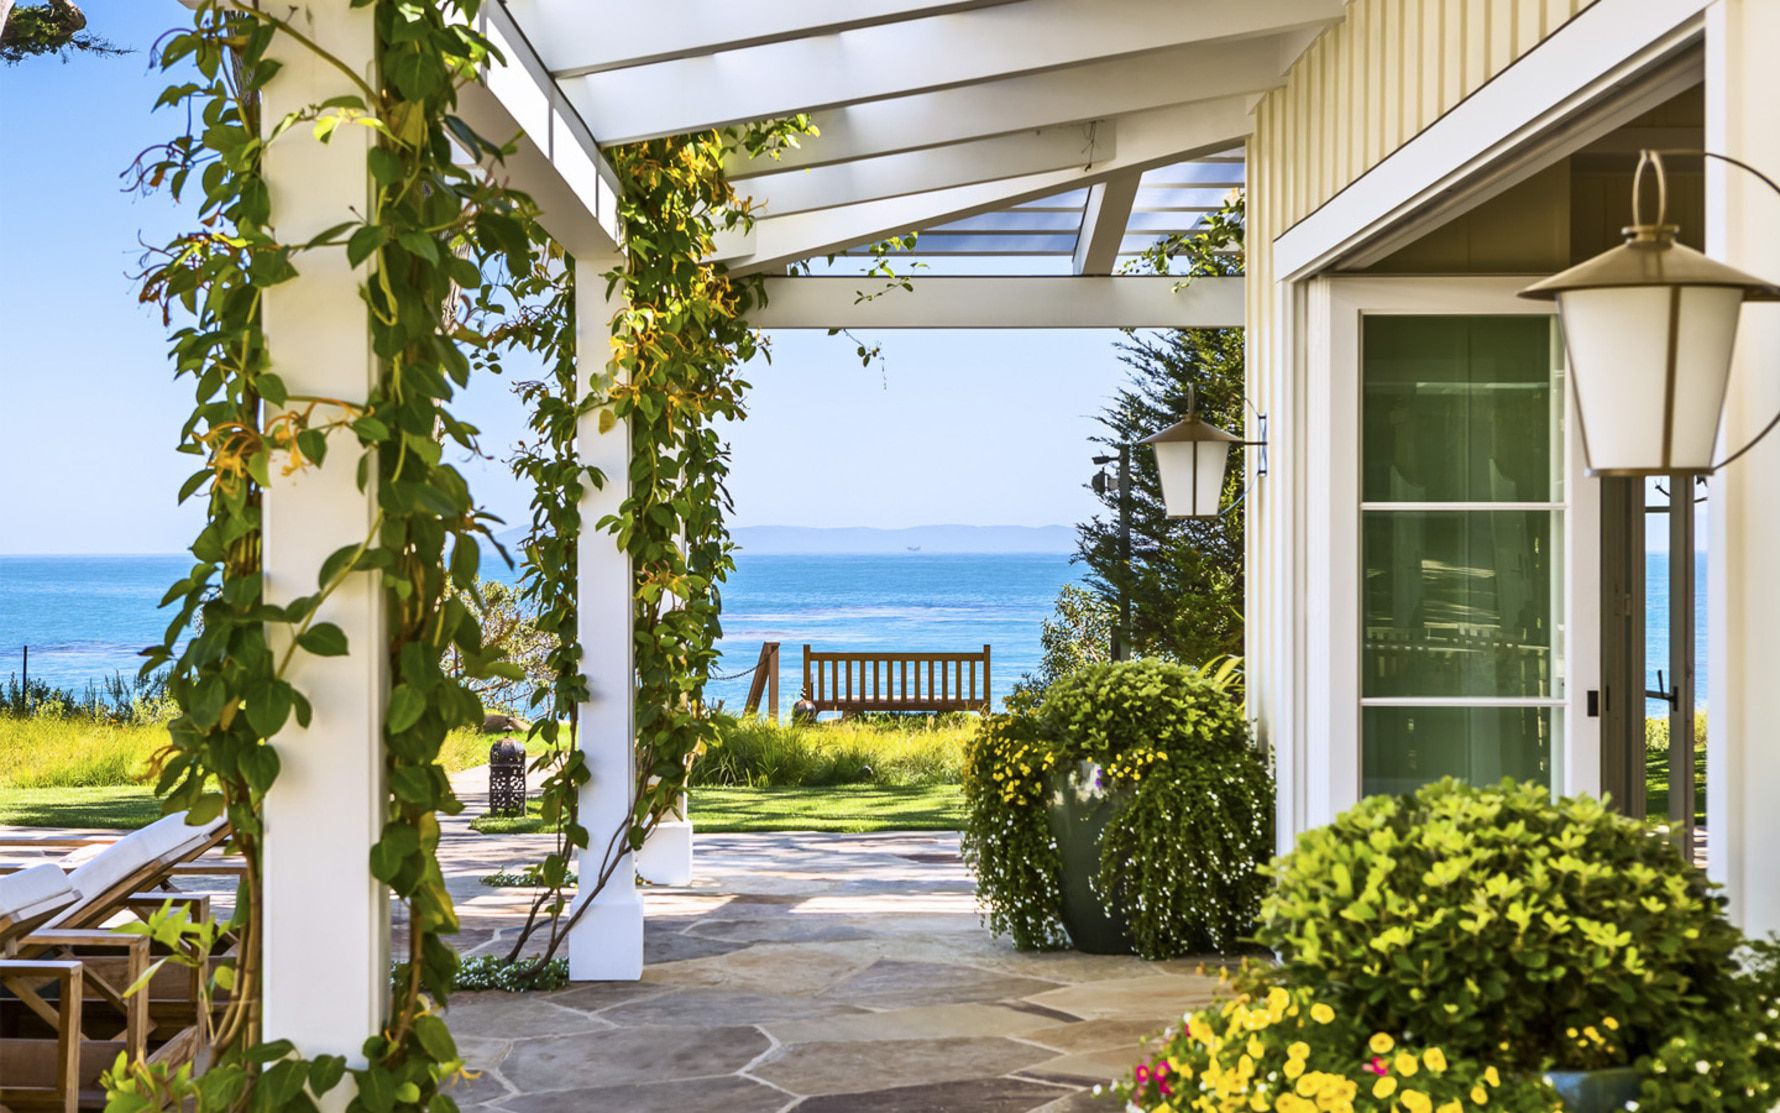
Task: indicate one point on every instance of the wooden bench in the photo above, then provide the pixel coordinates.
(851, 683)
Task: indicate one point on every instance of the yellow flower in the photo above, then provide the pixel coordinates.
(1405, 1064)
(1293, 1068)
(1453, 1106)
(1299, 1050)
(1612, 1025)
(1416, 1102)
(1256, 1049)
(1479, 1095)
(1435, 1059)
(1384, 1087)
(1381, 1043)
(1321, 1013)
(1490, 1076)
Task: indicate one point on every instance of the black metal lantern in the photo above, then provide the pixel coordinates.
(506, 778)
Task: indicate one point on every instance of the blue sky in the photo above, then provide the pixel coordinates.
(983, 428)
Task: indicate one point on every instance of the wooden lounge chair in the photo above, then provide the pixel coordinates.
(64, 1018)
(107, 880)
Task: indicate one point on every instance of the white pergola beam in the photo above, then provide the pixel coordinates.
(1005, 156)
(708, 26)
(1146, 140)
(1145, 301)
(557, 160)
(911, 56)
(1103, 223)
(1078, 94)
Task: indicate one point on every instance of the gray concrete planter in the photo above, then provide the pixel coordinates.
(1078, 807)
(1595, 1091)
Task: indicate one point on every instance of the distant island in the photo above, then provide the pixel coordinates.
(921, 540)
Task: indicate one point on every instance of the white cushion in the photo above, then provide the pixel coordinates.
(32, 892)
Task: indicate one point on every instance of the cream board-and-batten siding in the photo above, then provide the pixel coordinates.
(1361, 90)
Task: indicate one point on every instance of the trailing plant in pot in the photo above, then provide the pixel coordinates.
(1126, 808)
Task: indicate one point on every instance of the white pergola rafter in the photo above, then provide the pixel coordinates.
(888, 60)
(1103, 223)
(1146, 140)
(1094, 91)
(1002, 156)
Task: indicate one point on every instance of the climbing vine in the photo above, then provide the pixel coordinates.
(433, 221)
(678, 340)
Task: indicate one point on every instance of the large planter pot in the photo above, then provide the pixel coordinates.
(1595, 1091)
(1078, 807)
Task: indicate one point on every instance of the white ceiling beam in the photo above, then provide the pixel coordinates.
(1103, 223)
(1133, 301)
(629, 38)
(1146, 139)
(556, 160)
(911, 56)
(1005, 156)
(1081, 93)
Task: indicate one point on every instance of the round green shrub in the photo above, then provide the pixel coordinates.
(1498, 923)
(1183, 853)
(1128, 709)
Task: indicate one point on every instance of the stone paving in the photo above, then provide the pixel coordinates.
(816, 973)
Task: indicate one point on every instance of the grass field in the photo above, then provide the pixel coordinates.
(851, 809)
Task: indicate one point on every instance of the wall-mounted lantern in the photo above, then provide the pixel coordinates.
(1192, 458)
(1649, 327)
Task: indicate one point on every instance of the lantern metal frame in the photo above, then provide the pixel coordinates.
(1651, 258)
(1193, 428)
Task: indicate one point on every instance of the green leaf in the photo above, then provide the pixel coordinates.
(325, 1072)
(268, 707)
(405, 708)
(324, 639)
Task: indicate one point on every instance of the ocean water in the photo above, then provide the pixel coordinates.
(85, 617)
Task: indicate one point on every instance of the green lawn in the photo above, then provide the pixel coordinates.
(844, 808)
(110, 806)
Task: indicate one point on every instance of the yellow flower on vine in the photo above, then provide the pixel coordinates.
(1321, 1013)
(1381, 1043)
(1491, 1076)
(1435, 1059)
(1406, 1064)
(1479, 1095)
(1384, 1087)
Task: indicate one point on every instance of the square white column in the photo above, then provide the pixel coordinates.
(606, 943)
(326, 919)
(1743, 229)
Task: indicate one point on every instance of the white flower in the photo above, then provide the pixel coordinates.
(1703, 1067)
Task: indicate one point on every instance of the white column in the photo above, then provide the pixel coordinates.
(666, 857)
(1743, 229)
(607, 942)
(326, 921)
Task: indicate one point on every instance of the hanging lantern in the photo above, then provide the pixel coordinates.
(1191, 459)
(1649, 327)
(506, 778)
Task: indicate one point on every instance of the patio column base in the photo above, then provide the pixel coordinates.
(606, 944)
(666, 858)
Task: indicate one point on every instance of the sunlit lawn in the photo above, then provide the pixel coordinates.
(850, 809)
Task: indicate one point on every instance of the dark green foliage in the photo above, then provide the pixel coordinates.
(1007, 843)
(1184, 852)
(1185, 578)
(58, 27)
(1496, 922)
(1185, 855)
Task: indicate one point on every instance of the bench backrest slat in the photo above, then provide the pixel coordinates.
(894, 682)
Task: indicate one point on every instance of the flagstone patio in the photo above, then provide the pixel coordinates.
(811, 972)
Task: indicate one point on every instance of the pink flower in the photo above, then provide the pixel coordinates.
(1377, 1066)
(1161, 1070)
(1143, 1074)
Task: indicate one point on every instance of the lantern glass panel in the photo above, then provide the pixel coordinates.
(1192, 474)
(1620, 341)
